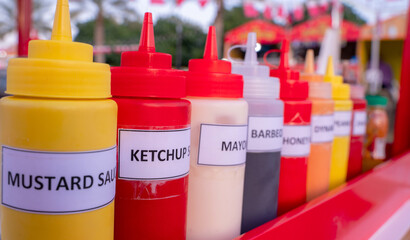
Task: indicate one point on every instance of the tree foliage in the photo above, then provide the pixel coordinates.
(349, 14)
(113, 9)
(234, 18)
(305, 18)
(115, 34)
(193, 38)
(40, 19)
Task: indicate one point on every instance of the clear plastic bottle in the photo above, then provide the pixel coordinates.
(376, 132)
(265, 129)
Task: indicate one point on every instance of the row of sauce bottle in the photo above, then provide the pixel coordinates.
(183, 139)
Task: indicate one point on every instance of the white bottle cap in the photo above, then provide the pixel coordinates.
(257, 82)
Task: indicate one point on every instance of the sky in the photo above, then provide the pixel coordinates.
(189, 11)
(192, 12)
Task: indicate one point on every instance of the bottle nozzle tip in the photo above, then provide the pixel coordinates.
(329, 68)
(284, 54)
(147, 39)
(62, 23)
(211, 47)
(250, 55)
(310, 62)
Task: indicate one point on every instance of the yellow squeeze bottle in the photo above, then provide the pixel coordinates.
(58, 137)
(342, 118)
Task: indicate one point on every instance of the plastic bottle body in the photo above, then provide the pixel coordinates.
(215, 190)
(376, 134)
(260, 198)
(321, 147)
(341, 143)
(58, 125)
(144, 208)
(357, 138)
(295, 152)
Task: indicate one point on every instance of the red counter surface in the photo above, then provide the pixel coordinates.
(374, 205)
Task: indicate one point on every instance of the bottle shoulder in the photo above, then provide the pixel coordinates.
(55, 103)
(343, 105)
(152, 102)
(218, 101)
(265, 107)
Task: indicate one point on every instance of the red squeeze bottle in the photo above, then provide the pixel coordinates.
(153, 143)
(296, 134)
(359, 122)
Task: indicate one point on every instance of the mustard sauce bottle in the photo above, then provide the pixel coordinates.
(58, 137)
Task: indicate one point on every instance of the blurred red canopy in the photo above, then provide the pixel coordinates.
(314, 30)
(266, 32)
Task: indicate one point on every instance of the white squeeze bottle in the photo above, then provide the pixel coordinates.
(260, 200)
(218, 147)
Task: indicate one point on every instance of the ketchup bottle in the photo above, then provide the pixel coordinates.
(358, 130)
(296, 134)
(153, 143)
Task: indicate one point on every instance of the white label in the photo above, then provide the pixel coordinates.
(322, 128)
(222, 145)
(153, 154)
(379, 151)
(265, 134)
(359, 123)
(296, 141)
(58, 182)
(343, 120)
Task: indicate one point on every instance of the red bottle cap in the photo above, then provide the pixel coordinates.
(210, 77)
(146, 73)
(290, 85)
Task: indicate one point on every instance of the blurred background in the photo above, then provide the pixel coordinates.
(369, 31)
(180, 25)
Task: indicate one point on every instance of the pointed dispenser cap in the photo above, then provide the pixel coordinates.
(340, 90)
(291, 88)
(283, 71)
(146, 73)
(59, 68)
(317, 87)
(251, 57)
(309, 72)
(257, 83)
(210, 77)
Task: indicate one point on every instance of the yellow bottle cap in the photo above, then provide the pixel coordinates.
(340, 90)
(59, 68)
